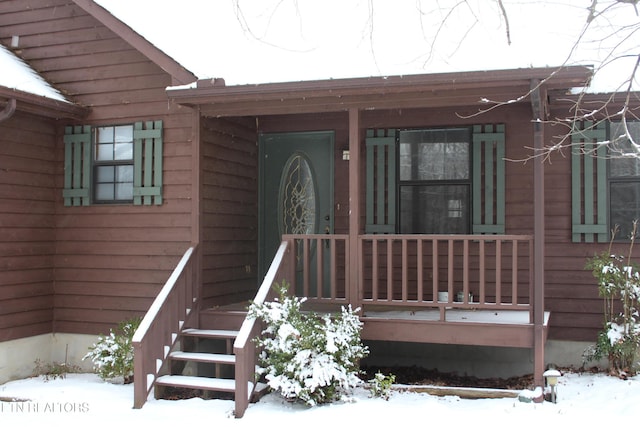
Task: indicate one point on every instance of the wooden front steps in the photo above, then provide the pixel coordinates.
(203, 365)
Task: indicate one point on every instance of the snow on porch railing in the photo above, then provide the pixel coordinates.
(161, 325)
(244, 346)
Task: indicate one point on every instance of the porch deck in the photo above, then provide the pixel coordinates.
(448, 324)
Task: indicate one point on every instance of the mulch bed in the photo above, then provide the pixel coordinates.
(414, 375)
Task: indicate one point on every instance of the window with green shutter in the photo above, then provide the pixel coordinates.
(605, 180)
(113, 164)
(436, 181)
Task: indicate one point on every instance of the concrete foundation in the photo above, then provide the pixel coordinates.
(18, 357)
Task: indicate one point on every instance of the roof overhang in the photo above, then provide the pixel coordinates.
(40, 105)
(412, 91)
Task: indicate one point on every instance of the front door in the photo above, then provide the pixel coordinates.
(296, 191)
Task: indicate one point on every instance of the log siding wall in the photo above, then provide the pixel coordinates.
(110, 261)
(229, 164)
(27, 225)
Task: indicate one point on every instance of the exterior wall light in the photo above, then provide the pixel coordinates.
(345, 154)
(551, 376)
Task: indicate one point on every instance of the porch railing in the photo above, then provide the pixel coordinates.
(160, 327)
(414, 271)
(462, 271)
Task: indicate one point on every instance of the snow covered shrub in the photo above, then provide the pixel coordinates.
(306, 356)
(381, 385)
(112, 355)
(619, 286)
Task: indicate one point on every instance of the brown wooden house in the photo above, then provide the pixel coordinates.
(150, 192)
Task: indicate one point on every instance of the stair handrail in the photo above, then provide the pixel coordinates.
(244, 346)
(160, 326)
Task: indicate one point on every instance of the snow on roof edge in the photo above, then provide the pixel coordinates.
(17, 74)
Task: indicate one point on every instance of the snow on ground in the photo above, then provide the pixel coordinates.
(85, 400)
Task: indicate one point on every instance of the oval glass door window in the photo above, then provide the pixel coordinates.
(298, 197)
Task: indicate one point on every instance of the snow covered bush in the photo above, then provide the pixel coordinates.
(112, 355)
(619, 286)
(306, 356)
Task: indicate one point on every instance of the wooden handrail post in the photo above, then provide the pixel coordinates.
(140, 384)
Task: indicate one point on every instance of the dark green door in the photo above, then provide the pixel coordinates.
(296, 191)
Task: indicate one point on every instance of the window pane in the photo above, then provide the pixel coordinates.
(625, 206)
(123, 151)
(427, 155)
(105, 174)
(104, 152)
(105, 134)
(104, 192)
(434, 209)
(123, 133)
(124, 173)
(124, 191)
(624, 166)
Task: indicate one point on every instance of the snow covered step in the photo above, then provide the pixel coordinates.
(227, 359)
(210, 333)
(200, 383)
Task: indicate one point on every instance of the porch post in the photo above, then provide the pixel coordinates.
(354, 205)
(538, 99)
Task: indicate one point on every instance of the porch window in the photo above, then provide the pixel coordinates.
(434, 181)
(113, 164)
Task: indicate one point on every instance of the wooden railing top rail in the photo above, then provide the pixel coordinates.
(161, 324)
(261, 295)
(243, 346)
(160, 300)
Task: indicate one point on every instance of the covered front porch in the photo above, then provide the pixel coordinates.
(482, 287)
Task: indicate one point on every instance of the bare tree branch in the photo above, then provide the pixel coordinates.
(506, 20)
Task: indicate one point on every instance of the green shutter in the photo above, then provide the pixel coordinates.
(589, 182)
(77, 166)
(147, 163)
(381, 182)
(488, 179)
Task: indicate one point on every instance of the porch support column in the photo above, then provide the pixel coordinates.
(354, 205)
(538, 102)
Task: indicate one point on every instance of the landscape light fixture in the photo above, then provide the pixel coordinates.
(551, 376)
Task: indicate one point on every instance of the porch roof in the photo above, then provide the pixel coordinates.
(216, 99)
